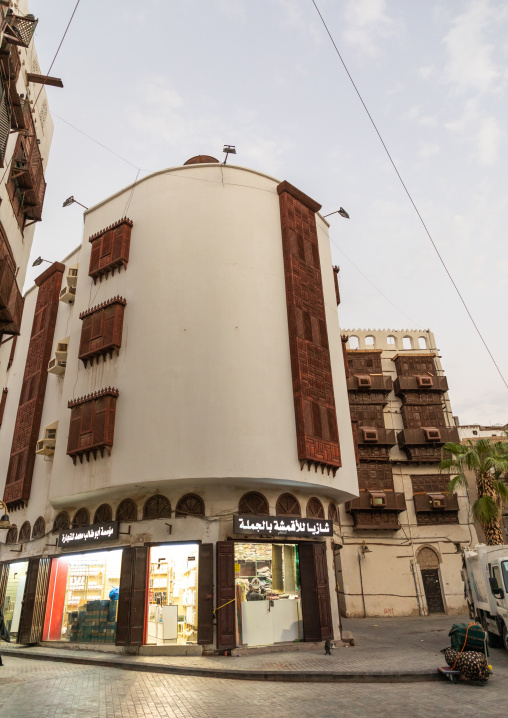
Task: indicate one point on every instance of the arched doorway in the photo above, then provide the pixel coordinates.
(428, 561)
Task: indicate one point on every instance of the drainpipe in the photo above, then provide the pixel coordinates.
(361, 580)
(411, 563)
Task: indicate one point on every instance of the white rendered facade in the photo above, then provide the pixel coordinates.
(205, 399)
(20, 239)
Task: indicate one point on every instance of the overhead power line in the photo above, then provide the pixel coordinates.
(409, 195)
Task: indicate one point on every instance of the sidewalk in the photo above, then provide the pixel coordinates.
(389, 650)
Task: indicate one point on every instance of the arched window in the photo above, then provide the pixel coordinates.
(427, 558)
(103, 514)
(39, 528)
(370, 341)
(127, 511)
(157, 507)
(353, 343)
(422, 343)
(190, 505)
(81, 518)
(407, 343)
(253, 503)
(12, 535)
(61, 522)
(391, 340)
(24, 532)
(333, 514)
(315, 509)
(288, 505)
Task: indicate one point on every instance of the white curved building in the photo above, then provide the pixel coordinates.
(195, 375)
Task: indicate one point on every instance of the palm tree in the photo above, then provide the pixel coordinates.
(489, 462)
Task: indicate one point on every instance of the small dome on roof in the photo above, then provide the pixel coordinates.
(200, 160)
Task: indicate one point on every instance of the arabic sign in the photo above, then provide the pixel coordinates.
(281, 526)
(93, 534)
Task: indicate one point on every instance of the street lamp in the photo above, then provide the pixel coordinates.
(340, 211)
(40, 260)
(4, 520)
(71, 200)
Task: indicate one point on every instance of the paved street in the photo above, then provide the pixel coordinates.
(36, 689)
(49, 689)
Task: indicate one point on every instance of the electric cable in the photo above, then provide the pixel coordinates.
(372, 284)
(409, 195)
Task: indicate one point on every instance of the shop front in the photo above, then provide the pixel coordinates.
(272, 585)
(15, 582)
(172, 597)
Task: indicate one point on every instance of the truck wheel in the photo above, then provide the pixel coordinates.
(505, 637)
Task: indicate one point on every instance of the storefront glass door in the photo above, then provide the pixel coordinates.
(83, 598)
(14, 592)
(267, 590)
(172, 594)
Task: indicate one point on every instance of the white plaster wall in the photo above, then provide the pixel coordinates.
(21, 242)
(204, 370)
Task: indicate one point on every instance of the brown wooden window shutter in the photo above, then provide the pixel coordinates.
(110, 249)
(92, 424)
(3, 401)
(226, 605)
(205, 594)
(132, 596)
(101, 331)
(34, 601)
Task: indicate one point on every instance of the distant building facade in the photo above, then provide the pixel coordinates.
(26, 130)
(401, 539)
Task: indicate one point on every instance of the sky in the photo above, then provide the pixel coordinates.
(161, 81)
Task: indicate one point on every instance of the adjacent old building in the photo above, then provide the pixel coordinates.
(402, 537)
(177, 437)
(26, 130)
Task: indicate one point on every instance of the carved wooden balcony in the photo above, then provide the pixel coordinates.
(11, 301)
(433, 508)
(424, 444)
(370, 382)
(367, 512)
(420, 383)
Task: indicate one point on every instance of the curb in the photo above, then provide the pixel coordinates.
(239, 675)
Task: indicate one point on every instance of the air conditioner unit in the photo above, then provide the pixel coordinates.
(72, 276)
(424, 381)
(57, 367)
(378, 499)
(370, 435)
(61, 350)
(46, 447)
(364, 381)
(437, 501)
(431, 433)
(68, 294)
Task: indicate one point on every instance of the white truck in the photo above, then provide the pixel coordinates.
(485, 576)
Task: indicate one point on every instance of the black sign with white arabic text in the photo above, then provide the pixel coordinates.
(88, 535)
(281, 526)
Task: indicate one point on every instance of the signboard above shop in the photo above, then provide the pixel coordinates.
(294, 527)
(88, 535)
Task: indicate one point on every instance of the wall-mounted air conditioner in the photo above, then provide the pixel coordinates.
(61, 350)
(57, 367)
(431, 433)
(46, 446)
(364, 381)
(68, 294)
(424, 381)
(72, 276)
